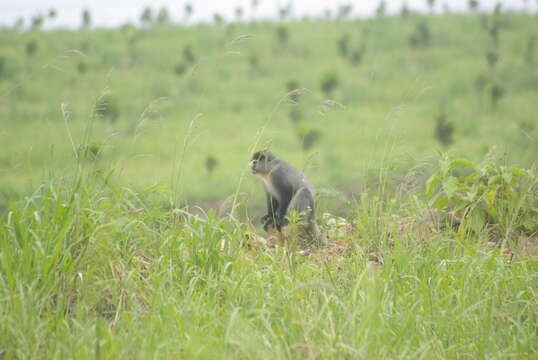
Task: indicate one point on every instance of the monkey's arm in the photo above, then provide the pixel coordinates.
(286, 194)
(272, 208)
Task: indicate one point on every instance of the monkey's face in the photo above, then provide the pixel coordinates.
(262, 162)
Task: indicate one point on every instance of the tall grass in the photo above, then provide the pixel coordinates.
(92, 270)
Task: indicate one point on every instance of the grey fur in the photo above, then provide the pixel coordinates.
(286, 190)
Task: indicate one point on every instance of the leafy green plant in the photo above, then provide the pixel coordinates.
(188, 55)
(381, 9)
(282, 35)
(329, 82)
(211, 163)
(3, 67)
(82, 67)
(343, 45)
(31, 48)
(530, 50)
(473, 5)
(444, 130)
(496, 93)
(486, 194)
(163, 16)
(180, 69)
(310, 138)
(292, 85)
(86, 19)
(421, 36)
(107, 108)
(146, 17)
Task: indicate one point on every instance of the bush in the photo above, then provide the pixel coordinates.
(421, 36)
(31, 48)
(486, 195)
(3, 67)
(444, 130)
(188, 55)
(180, 69)
(343, 45)
(82, 68)
(106, 107)
(293, 95)
(496, 93)
(282, 35)
(211, 164)
(310, 138)
(329, 82)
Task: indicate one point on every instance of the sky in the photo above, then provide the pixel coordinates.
(117, 12)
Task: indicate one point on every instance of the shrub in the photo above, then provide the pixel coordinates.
(293, 95)
(344, 11)
(188, 55)
(357, 55)
(282, 35)
(188, 10)
(343, 45)
(163, 17)
(81, 67)
(31, 47)
(481, 82)
(381, 9)
(37, 22)
(473, 5)
(496, 93)
(329, 82)
(310, 138)
(486, 194)
(106, 107)
(3, 67)
(211, 164)
(238, 13)
(254, 62)
(492, 57)
(218, 19)
(146, 17)
(180, 69)
(421, 37)
(530, 50)
(86, 19)
(295, 116)
(444, 130)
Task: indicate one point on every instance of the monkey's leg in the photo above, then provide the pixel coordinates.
(303, 203)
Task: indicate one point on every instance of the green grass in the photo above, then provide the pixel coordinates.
(97, 271)
(390, 100)
(100, 259)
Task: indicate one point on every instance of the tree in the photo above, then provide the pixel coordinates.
(189, 10)
(37, 22)
(431, 5)
(163, 17)
(473, 5)
(381, 9)
(86, 19)
(146, 18)
(238, 13)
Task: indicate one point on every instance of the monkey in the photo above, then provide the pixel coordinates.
(286, 190)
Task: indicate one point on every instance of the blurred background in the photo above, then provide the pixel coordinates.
(176, 95)
(118, 12)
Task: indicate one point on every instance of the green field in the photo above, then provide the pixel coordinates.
(389, 102)
(106, 134)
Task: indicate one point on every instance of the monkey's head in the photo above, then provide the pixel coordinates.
(263, 162)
